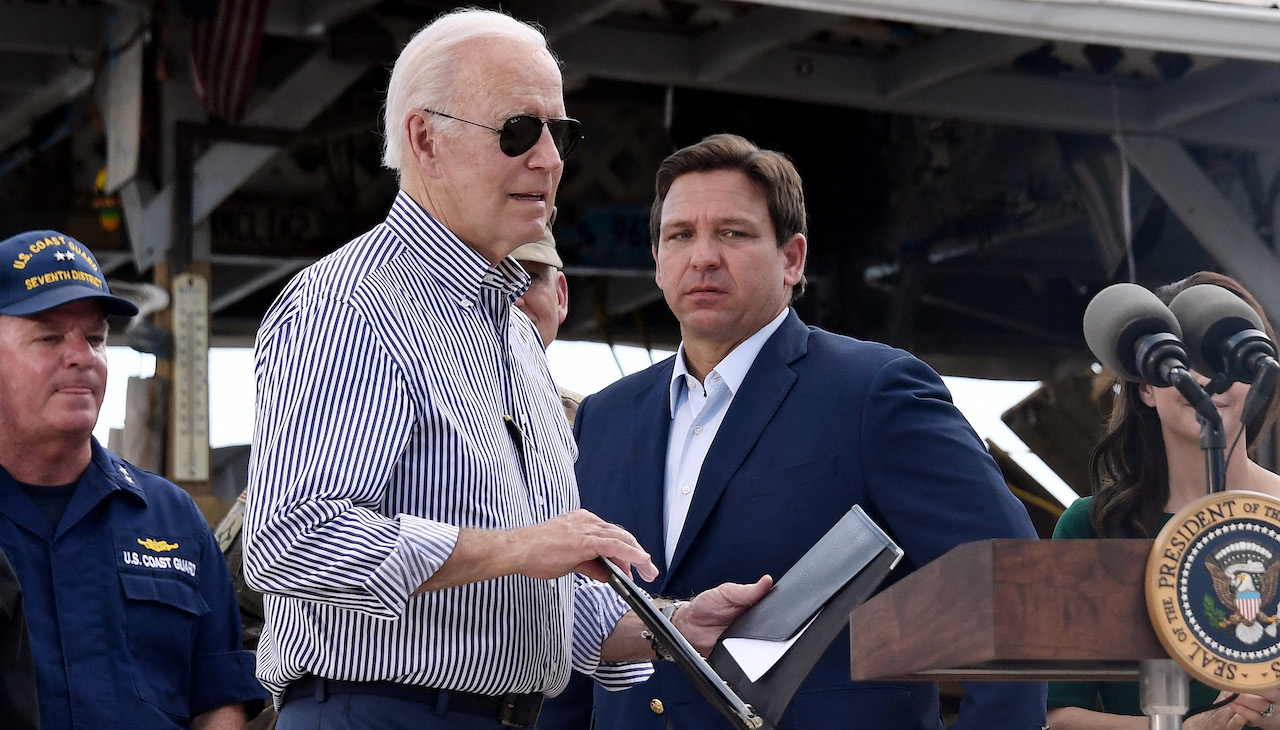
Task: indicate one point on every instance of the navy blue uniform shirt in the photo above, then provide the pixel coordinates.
(131, 610)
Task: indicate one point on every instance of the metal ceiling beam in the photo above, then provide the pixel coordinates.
(629, 55)
(16, 118)
(269, 270)
(1255, 120)
(1001, 97)
(28, 71)
(138, 5)
(948, 56)
(310, 18)
(51, 29)
(1215, 88)
(566, 16)
(1189, 26)
(719, 52)
(225, 166)
(1206, 212)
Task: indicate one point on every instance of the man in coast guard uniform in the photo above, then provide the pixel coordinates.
(131, 612)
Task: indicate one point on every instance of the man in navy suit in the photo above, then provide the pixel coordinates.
(733, 458)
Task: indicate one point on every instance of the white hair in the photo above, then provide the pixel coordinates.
(425, 72)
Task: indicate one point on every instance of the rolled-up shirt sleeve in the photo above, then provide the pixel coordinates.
(596, 611)
(333, 417)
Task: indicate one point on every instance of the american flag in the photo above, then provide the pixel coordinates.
(225, 38)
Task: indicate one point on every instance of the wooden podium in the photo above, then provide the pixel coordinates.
(1012, 610)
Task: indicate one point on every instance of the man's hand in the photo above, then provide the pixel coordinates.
(571, 542)
(711, 611)
(701, 621)
(227, 717)
(564, 544)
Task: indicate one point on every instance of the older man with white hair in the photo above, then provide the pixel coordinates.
(413, 517)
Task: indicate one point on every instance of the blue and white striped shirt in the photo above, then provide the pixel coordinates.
(383, 373)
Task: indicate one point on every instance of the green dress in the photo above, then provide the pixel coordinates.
(1117, 698)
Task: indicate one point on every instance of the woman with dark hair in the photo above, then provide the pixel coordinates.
(1148, 466)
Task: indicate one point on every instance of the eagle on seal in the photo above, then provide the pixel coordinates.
(1245, 593)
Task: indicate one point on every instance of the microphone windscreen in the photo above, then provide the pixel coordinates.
(1208, 315)
(1115, 319)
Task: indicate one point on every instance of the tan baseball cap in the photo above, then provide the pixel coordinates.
(541, 251)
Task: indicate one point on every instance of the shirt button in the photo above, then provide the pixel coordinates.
(697, 430)
(540, 500)
(685, 489)
(655, 704)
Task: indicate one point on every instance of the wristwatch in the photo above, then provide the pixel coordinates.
(668, 611)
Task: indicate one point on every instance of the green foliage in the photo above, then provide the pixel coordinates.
(1213, 612)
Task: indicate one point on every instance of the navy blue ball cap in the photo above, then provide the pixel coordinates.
(40, 270)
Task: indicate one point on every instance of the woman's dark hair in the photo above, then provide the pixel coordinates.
(1128, 470)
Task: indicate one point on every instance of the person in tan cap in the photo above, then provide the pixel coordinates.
(546, 302)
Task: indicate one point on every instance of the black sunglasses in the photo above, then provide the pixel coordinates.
(520, 133)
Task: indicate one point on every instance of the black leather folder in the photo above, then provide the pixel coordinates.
(819, 592)
(691, 663)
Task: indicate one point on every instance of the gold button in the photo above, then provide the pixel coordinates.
(655, 704)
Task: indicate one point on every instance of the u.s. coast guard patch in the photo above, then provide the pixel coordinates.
(1211, 590)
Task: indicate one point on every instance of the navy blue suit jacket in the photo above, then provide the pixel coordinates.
(820, 423)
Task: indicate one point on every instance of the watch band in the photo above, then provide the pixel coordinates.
(668, 611)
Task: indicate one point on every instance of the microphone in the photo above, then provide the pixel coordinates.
(1223, 333)
(1134, 334)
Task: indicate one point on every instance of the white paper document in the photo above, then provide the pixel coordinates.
(757, 656)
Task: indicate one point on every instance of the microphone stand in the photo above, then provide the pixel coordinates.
(1161, 359)
(1163, 690)
(1213, 439)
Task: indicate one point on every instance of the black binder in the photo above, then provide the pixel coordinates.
(709, 684)
(820, 591)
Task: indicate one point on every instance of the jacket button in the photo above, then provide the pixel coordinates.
(655, 704)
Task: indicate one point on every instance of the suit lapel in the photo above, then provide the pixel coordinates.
(649, 432)
(767, 383)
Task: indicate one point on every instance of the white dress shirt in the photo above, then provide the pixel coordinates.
(697, 410)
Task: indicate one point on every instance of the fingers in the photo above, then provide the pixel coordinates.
(761, 588)
(570, 543)
(722, 604)
(594, 570)
(745, 595)
(1251, 710)
(629, 556)
(615, 543)
(713, 610)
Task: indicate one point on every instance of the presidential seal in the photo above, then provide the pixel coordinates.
(1211, 590)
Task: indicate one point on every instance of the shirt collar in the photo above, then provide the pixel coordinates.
(105, 475)
(459, 269)
(733, 368)
(111, 472)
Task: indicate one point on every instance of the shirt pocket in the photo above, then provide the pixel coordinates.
(161, 615)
